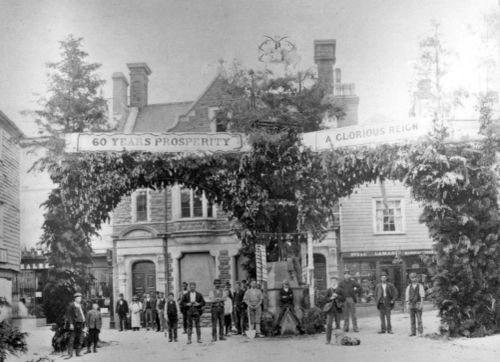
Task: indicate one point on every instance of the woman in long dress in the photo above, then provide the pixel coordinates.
(135, 315)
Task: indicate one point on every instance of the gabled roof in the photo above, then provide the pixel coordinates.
(10, 126)
(160, 117)
(214, 81)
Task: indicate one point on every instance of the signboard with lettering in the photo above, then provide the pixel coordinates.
(361, 254)
(388, 132)
(155, 142)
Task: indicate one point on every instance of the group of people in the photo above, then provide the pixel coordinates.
(342, 297)
(241, 308)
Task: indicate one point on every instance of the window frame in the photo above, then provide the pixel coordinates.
(178, 211)
(134, 211)
(403, 216)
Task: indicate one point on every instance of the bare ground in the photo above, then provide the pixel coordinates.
(153, 346)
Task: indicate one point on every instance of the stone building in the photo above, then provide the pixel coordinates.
(10, 248)
(162, 238)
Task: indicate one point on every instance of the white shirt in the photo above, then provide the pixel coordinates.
(81, 310)
(384, 293)
(192, 297)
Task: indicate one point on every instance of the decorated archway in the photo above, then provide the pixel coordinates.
(454, 182)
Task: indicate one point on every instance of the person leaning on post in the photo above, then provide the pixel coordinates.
(414, 298)
(75, 317)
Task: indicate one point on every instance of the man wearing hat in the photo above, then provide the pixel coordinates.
(350, 289)
(286, 304)
(122, 311)
(75, 316)
(217, 297)
(385, 297)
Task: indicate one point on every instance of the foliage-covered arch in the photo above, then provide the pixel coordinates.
(455, 183)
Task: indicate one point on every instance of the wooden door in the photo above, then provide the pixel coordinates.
(320, 282)
(143, 278)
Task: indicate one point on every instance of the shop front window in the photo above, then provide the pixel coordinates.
(364, 272)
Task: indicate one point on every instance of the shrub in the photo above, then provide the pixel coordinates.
(11, 341)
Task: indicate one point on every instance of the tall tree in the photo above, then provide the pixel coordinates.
(432, 95)
(74, 103)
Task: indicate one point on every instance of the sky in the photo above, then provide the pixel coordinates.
(183, 40)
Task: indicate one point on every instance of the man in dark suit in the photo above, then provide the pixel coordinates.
(75, 317)
(172, 318)
(240, 308)
(286, 304)
(385, 297)
(122, 311)
(193, 302)
(183, 292)
(350, 289)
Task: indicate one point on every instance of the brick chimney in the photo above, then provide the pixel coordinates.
(120, 92)
(324, 57)
(139, 73)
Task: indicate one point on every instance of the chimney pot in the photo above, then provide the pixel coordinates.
(324, 57)
(139, 78)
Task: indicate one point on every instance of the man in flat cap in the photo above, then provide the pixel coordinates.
(75, 316)
(217, 297)
(385, 297)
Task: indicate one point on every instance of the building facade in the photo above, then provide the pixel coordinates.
(162, 238)
(10, 246)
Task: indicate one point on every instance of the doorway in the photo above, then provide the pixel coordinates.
(320, 281)
(143, 278)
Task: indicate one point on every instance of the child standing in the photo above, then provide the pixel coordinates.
(228, 308)
(94, 324)
(414, 298)
(171, 313)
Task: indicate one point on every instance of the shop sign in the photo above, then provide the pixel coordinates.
(361, 254)
(155, 142)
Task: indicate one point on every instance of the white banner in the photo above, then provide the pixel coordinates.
(155, 142)
(391, 132)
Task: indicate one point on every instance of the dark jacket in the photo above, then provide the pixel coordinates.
(122, 309)
(391, 294)
(73, 315)
(171, 309)
(238, 300)
(186, 303)
(161, 303)
(286, 298)
(337, 301)
(94, 319)
(347, 288)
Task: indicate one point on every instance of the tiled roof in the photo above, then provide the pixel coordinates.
(160, 117)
